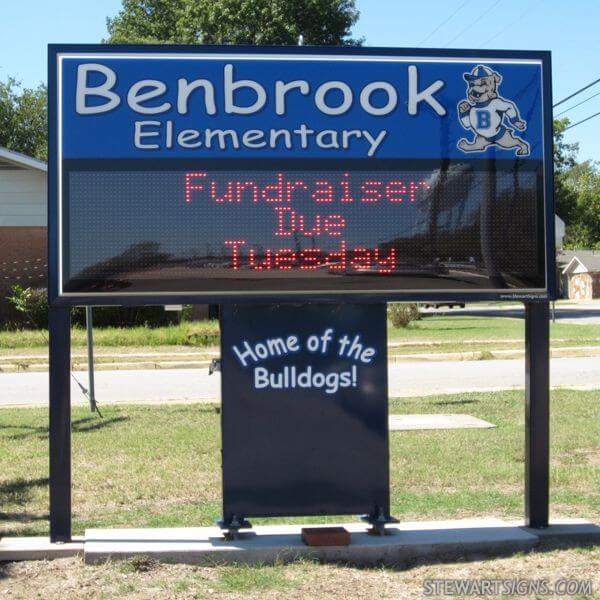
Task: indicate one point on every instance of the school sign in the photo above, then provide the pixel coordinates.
(301, 189)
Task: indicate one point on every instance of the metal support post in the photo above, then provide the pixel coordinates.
(537, 413)
(60, 424)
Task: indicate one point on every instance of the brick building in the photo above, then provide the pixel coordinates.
(23, 225)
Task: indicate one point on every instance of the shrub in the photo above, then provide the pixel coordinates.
(203, 334)
(401, 314)
(31, 302)
(133, 316)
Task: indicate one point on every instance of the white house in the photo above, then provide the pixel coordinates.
(583, 273)
(23, 224)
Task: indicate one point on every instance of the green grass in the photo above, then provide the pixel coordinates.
(204, 333)
(440, 328)
(440, 333)
(432, 333)
(478, 471)
(246, 578)
(159, 466)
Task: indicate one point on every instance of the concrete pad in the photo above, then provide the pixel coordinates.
(424, 540)
(436, 421)
(37, 548)
(271, 543)
(576, 531)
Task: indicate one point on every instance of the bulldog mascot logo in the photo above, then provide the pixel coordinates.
(490, 117)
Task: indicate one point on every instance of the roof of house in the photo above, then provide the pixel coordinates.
(564, 257)
(9, 159)
(589, 259)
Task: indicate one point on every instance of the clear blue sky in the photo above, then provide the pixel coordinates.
(568, 29)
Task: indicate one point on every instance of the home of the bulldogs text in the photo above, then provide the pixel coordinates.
(343, 346)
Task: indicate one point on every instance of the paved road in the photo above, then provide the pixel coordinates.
(195, 385)
(578, 313)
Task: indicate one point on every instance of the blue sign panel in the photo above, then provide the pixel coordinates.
(206, 105)
(272, 172)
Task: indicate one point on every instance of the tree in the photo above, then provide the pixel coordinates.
(324, 22)
(564, 154)
(583, 182)
(565, 199)
(147, 22)
(23, 119)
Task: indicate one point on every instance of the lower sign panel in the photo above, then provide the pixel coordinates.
(304, 410)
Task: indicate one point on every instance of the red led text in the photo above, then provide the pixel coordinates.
(285, 188)
(293, 200)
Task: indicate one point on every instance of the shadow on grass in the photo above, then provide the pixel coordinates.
(455, 402)
(210, 408)
(543, 547)
(39, 528)
(84, 425)
(18, 491)
(93, 423)
(456, 327)
(23, 517)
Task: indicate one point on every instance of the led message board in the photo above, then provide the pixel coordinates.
(213, 173)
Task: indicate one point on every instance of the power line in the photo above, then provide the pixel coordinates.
(483, 14)
(503, 29)
(443, 23)
(562, 112)
(582, 121)
(589, 85)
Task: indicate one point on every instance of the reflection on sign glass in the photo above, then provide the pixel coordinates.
(320, 230)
